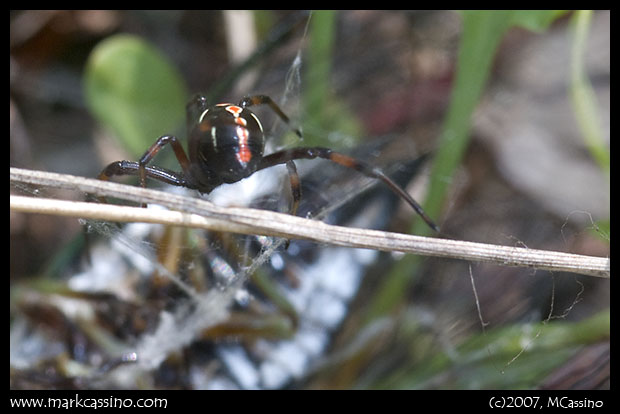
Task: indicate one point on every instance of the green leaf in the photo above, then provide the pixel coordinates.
(133, 90)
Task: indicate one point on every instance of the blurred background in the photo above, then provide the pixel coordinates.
(529, 171)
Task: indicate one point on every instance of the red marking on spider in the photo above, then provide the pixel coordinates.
(235, 110)
(244, 154)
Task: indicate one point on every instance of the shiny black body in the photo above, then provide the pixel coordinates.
(226, 145)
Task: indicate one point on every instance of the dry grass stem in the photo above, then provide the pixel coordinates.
(198, 213)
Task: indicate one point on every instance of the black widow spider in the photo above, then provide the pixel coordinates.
(226, 145)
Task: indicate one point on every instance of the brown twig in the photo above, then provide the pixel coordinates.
(194, 212)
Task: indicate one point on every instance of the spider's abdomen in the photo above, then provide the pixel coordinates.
(227, 142)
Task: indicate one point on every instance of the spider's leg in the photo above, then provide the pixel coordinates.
(287, 155)
(130, 167)
(295, 193)
(134, 168)
(265, 100)
(295, 186)
(150, 153)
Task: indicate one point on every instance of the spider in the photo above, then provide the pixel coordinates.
(226, 145)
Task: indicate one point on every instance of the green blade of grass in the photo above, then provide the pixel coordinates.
(582, 95)
(482, 33)
(324, 113)
(515, 356)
